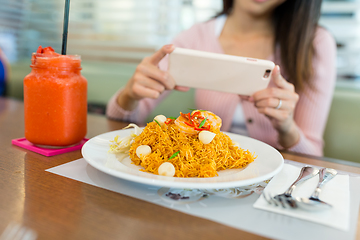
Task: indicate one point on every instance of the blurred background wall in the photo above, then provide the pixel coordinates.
(105, 30)
(112, 36)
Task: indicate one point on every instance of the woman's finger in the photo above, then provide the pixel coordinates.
(278, 114)
(275, 103)
(147, 87)
(274, 93)
(145, 92)
(182, 89)
(245, 97)
(148, 82)
(155, 73)
(160, 54)
(279, 80)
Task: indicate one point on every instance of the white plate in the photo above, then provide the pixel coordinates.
(268, 163)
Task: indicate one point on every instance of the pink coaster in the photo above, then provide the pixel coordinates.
(22, 142)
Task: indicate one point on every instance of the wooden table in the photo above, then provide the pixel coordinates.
(60, 208)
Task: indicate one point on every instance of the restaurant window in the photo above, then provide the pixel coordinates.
(11, 23)
(128, 30)
(112, 30)
(342, 19)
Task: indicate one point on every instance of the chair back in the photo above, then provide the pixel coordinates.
(342, 133)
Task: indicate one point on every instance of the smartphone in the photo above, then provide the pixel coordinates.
(219, 72)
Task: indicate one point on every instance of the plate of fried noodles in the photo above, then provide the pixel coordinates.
(189, 151)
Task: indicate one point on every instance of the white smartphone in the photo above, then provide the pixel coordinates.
(219, 72)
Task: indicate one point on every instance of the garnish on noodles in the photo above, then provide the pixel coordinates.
(191, 145)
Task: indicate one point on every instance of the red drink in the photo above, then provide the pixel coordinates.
(55, 100)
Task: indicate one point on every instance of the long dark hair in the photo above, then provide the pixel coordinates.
(295, 25)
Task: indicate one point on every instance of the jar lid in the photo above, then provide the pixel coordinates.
(44, 60)
(48, 58)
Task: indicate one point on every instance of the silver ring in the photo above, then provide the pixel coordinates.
(279, 105)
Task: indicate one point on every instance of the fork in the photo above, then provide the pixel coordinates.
(15, 231)
(285, 199)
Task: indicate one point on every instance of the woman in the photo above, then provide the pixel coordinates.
(292, 112)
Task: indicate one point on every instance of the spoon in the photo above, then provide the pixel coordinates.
(313, 202)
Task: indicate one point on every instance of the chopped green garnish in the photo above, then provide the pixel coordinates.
(174, 155)
(157, 122)
(172, 117)
(202, 123)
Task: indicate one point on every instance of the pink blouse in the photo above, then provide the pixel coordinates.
(310, 114)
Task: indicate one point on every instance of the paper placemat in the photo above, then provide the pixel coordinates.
(231, 207)
(335, 192)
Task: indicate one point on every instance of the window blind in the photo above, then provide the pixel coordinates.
(112, 30)
(11, 22)
(127, 30)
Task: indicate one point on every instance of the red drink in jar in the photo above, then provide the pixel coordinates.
(55, 100)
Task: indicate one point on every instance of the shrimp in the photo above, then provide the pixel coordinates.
(198, 120)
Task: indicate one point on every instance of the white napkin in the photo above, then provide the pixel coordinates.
(335, 192)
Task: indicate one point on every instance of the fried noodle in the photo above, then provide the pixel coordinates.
(195, 159)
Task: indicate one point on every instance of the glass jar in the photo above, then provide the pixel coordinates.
(55, 100)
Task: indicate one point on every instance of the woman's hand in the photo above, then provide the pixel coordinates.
(278, 104)
(148, 80)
